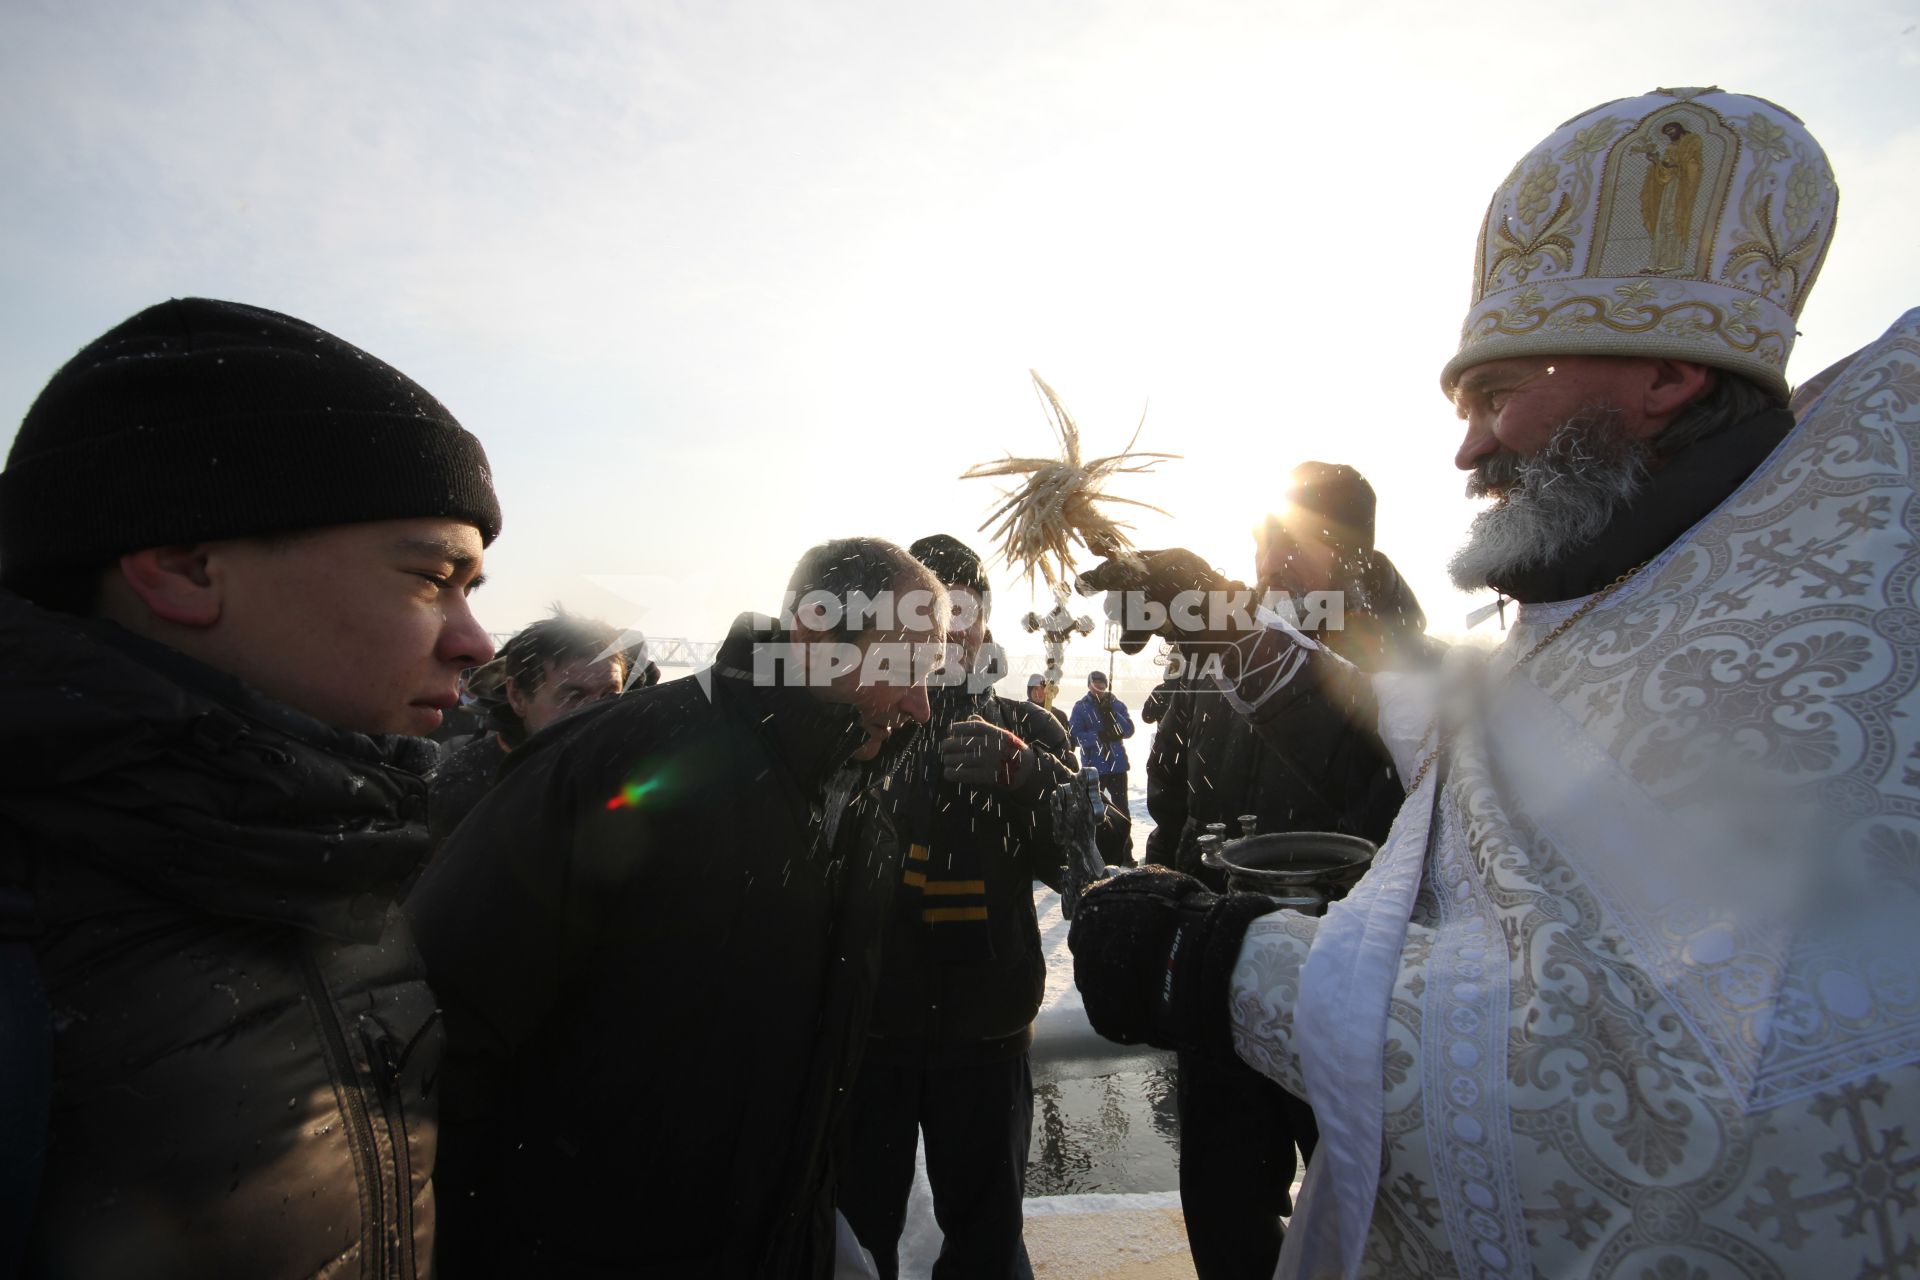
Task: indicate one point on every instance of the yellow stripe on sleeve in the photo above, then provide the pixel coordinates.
(943, 915)
(976, 887)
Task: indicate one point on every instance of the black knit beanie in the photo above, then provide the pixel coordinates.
(953, 562)
(199, 420)
(1336, 501)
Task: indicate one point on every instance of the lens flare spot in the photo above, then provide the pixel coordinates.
(633, 794)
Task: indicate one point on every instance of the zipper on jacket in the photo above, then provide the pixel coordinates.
(379, 1047)
(366, 1156)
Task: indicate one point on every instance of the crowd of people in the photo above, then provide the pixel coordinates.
(626, 976)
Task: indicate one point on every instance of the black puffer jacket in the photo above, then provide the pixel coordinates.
(973, 998)
(458, 782)
(657, 968)
(1315, 769)
(244, 1044)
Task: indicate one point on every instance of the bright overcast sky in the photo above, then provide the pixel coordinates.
(713, 281)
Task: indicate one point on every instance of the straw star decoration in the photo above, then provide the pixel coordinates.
(1059, 503)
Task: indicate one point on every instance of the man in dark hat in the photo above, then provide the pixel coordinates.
(1315, 559)
(1239, 1130)
(961, 967)
(1320, 551)
(235, 554)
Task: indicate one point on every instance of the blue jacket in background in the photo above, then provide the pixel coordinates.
(1087, 722)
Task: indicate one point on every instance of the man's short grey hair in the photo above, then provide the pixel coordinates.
(1730, 401)
(847, 567)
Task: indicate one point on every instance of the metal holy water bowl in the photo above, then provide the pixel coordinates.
(1303, 870)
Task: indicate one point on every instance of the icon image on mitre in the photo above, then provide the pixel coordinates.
(1665, 191)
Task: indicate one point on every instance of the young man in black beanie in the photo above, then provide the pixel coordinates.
(235, 554)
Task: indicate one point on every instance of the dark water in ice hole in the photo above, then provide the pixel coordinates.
(1111, 1133)
(1107, 1126)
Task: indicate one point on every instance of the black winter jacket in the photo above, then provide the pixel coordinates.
(458, 781)
(656, 969)
(1315, 768)
(942, 1009)
(244, 1046)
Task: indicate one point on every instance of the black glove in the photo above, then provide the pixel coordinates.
(980, 754)
(1155, 579)
(1153, 956)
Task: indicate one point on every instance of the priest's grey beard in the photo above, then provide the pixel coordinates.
(1560, 498)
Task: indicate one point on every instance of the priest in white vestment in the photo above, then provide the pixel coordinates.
(1633, 988)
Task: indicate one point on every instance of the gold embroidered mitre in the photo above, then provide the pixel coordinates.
(1688, 223)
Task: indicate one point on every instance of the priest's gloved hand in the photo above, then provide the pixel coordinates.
(985, 755)
(1143, 590)
(1153, 956)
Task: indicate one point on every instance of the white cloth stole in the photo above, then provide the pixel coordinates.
(1340, 1036)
